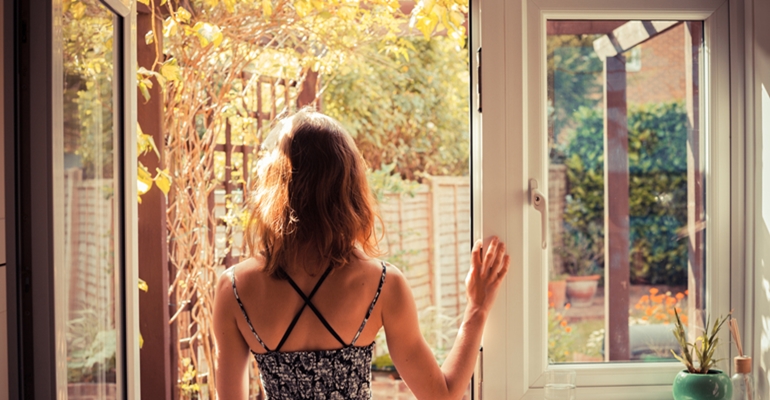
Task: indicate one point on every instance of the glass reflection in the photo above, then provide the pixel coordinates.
(90, 201)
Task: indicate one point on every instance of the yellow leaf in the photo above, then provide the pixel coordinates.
(145, 2)
(183, 15)
(144, 179)
(456, 18)
(141, 339)
(143, 285)
(145, 90)
(267, 8)
(149, 37)
(170, 70)
(230, 5)
(208, 33)
(169, 27)
(78, 10)
(303, 8)
(163, 181)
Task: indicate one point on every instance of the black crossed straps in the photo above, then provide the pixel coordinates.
(307, 303)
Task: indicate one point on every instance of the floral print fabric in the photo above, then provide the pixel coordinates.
(339, 374)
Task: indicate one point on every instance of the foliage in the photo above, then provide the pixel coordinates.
(658, 187)
(213, 57)
(384, 181)
(560, 338)
(90, 349)
(188, 385)
(411, 112)
(703, 347)
(658, 308)
(574, 73)
(581, 252)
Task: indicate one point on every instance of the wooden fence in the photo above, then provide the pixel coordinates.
(427, 236)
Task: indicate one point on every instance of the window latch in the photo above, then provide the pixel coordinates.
(539, 202)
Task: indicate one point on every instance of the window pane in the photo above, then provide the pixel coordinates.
(90, 200)
(625, 163)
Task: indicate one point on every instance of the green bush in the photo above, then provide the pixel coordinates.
(658, 187)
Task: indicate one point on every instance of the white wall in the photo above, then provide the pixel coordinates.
(759, 125)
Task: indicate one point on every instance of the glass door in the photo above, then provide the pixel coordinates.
(73, 244)
(606, 166)
(94, 332)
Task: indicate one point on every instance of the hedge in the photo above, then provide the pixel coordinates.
(658, 188)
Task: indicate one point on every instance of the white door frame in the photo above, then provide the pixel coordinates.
(512, 366)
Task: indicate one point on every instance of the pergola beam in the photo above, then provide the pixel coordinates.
(629, 35)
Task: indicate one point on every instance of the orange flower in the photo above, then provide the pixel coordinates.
(653, 291)
(648, 312)
(687, 292)
(567, 306)
(568, 329)
(679, 296)
(550, 294)
(563, 322)
(658, 299)
(670, 301)
(684, 319)
(644, 299)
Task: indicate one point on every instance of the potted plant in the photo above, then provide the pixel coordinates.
(581, 253)
(700, 381)
(557, 290)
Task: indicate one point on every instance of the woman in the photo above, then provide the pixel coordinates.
(310, 302)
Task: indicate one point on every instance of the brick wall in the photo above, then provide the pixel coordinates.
(662, 74)
(557, 190)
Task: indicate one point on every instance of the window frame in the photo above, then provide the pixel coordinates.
(516, 336)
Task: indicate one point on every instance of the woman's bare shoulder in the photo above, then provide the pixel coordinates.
(248, 270)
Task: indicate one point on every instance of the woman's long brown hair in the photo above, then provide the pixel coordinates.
(311, 194)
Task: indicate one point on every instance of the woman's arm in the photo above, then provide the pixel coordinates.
(232, 354)
(410, 353)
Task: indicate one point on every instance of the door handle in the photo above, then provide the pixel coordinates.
(540, 203)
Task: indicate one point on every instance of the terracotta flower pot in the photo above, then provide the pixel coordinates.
(558, 290)
(712, 386)
(581, 289)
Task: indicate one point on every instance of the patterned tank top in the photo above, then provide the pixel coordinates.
(344, 373)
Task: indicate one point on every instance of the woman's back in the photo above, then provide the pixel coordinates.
(343, 299)
(304, 363)
(311, 201)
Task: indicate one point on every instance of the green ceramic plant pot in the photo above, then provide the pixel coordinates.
(712, 386)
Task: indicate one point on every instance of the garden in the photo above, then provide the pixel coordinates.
(213, 77)
(657, 173)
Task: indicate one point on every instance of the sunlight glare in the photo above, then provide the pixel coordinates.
(765, 190)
